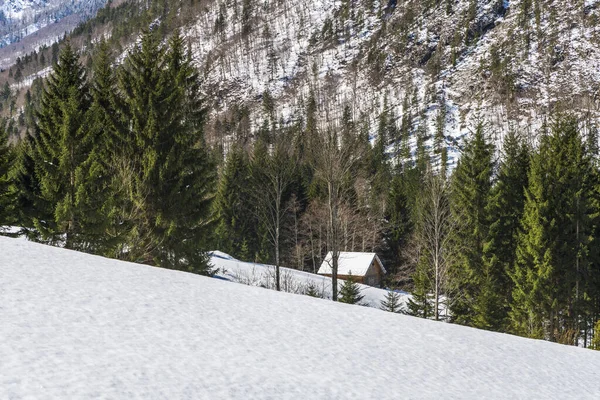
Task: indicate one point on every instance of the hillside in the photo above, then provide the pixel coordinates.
(437, 68)
(293, 281)
(79, 326)
(28, 25)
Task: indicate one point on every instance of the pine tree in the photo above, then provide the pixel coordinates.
(399, 228)
(391, 302)
(6, 198)
(350, 292)
(96, 196)
(472, 182)
(61, 147)
(235, 219)
(29, 204)
(172, 173)
(552, 250)
(505, 210)
(595, 344)
(312, 291)
(420, 302)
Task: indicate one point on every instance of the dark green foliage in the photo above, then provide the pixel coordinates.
(350, 292)
(236, 231)
(553, 248)
(61, 147)
(312, 291)
(595, 344)
(171, 174)
(6, 194)
(400, 227)
(505, 210)
(97, 196)
(472, 183)
(392, 302)
(28, 201)
(421, 304)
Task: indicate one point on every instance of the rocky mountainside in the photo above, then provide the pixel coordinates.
(26, 25)
(437, 66)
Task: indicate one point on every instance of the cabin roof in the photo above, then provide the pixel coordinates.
(355, 264)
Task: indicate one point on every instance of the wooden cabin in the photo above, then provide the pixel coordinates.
(365, 268)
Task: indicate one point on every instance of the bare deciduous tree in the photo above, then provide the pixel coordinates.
(273, 176)
(334, 161)
(433, 235)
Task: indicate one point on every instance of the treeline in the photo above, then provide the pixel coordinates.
(511, 244)
(115, 162)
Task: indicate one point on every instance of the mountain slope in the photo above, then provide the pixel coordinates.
(79, 326)
(293, 281)
(27, 25)
(437, 66)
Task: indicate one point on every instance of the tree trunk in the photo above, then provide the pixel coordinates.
(333, 221)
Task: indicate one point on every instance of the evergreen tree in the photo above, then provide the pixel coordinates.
(595, 345)
(235, 233)
(29, 204)
(552, 250)
(6, 198)
(505, 210)
(312, 291)
(420, 304)
(96, 195)
(350, 292)
(391, 302)
(472, 182)
(61, 147)
(172, 173)
(399, 229)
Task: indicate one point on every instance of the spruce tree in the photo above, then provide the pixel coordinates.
(235, 232)
(96, 196)
(29, 204)
(172, 172)
(61, 147)
(391, 302)
(472, 182)
(595, 344)
(552, 250)
(505, 210)
(312, 291)
(420, 302)
(6, 198)
(350, 292)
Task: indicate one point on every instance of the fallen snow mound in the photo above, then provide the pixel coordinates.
(78, 326)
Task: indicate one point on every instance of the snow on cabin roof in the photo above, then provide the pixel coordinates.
(356, 264)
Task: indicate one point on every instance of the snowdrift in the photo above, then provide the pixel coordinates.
(78, 326)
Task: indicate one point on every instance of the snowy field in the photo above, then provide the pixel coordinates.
(74, 326)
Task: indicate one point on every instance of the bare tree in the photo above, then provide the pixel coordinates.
(334, 161)
(273, 175)
(433, 235)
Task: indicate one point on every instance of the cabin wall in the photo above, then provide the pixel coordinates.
(374, 275)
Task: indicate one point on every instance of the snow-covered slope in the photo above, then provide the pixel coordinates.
(442, 66)
(79, 326)
(27, 25)
(292, 281)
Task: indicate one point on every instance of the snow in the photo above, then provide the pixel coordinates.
(292, 281)
(356, 264)
(79, 326)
